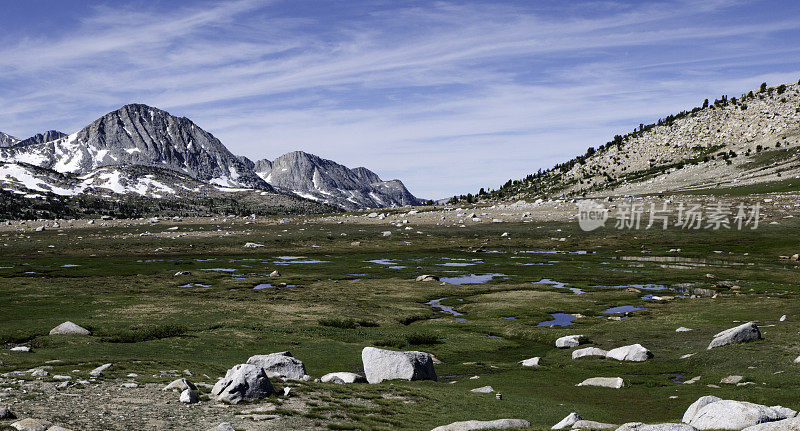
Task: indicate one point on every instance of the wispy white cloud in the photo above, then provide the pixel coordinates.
(448, 97)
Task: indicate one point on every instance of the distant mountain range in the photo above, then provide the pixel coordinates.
(177, 152)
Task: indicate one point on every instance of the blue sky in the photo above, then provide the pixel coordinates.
(448, 96)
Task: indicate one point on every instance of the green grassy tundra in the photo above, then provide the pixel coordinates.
(335, 302)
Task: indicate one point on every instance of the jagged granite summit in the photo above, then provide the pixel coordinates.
(7, 140)
(138, 135)
(323, 180)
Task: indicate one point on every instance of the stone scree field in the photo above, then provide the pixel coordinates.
(186, 299)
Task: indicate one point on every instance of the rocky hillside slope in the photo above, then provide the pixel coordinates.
(326, 181)
(736, 144)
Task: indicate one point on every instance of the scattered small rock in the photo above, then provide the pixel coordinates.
(731, 380)
(343, 377)
(188, 396)
(588, 351)
(482, 425)
(740, 334)
(633, 353)
(69, 328)
(531, 362)
(97, 372)
(567, 422)
(570, 341)
(606, 382)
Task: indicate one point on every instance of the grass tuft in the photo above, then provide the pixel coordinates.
(422, 339)
(148, 333)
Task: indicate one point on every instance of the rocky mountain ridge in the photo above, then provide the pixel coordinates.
(140, 135)
(7, 140)
(323, 180)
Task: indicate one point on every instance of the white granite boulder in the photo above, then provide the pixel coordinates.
(281, 364)
(69, 328)
(588, 351)
(567, 422)
(605, 382)
(380, 365)
(427, 277)
(483, 390)
(633, 353)
(639, 426)
(180, 385)
(188, 396)
(531, 362)
(592, 425)
(30, 424)
(712, 413)
(791, 424)
(740, 334)
(97, 372)
(342, 377)
(243, 382)
(484, 425)
(570, 341)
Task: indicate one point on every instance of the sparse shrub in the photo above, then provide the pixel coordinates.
(407, 320)
(422, 339)
(138, 335)
(338, 323)
(398, 343)
(368, 324)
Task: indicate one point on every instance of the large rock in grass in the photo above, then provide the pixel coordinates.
(188, 396)
(740, 334)
(701, 402)
(380, 365)
(634, 353)
(791, 424)
(588, 351)
(567, 422)
(427, 277)
(97, 372)
(592, 425)
(605, 382)
(243, 382)
(342, 377)
(639, 426)
(570, 341)
(281, 364)
(531, 362)
(484, 425)
(712, 413)
(69, 328)
(180, 385)
(30, 424)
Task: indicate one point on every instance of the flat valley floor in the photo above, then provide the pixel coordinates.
(344, 284)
